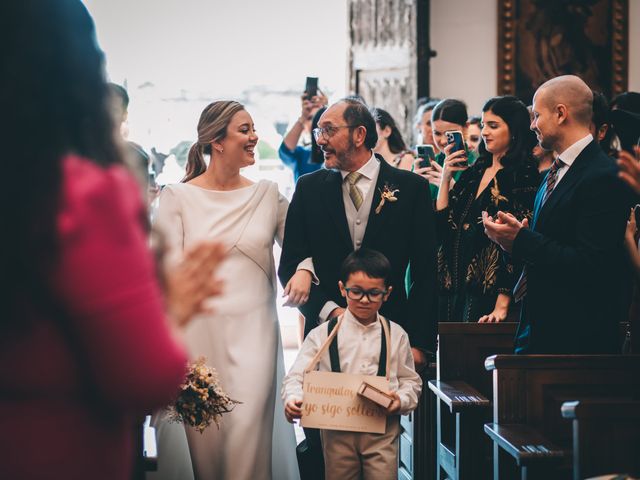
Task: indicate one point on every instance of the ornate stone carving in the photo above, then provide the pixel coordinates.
(383, 56)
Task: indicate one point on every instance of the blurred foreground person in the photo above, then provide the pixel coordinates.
(85, 347)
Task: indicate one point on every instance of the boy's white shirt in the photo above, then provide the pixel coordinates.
(359, 351)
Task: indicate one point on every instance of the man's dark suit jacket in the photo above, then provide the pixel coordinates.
(575, 261)
(403, 231)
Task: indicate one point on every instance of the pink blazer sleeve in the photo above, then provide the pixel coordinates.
(107, 281)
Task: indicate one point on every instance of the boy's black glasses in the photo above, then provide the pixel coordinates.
(355, 293)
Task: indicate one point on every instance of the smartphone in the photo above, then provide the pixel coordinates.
(426, 153)
(311, 87)
(455, 137)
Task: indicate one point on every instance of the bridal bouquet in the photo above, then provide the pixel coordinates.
(201, 399)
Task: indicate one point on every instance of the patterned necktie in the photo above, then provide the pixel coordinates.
(552, 178)
(520, 290)
(354, 192)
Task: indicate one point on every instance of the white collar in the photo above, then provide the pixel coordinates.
(368, 170)
(570, 154)
(348, 317)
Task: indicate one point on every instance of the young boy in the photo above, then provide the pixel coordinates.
(353, 455)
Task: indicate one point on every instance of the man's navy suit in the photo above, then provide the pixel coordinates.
(575, 261)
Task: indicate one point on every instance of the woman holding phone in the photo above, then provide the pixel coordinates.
(474, 279)
(449, 115)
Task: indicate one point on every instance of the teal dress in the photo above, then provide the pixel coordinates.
(473, 156)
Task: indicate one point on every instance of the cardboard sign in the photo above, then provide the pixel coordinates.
(331, 402)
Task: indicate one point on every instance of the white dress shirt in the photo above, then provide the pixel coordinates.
(356, 220)
(569, 156)
(359, 351)
(369, 172)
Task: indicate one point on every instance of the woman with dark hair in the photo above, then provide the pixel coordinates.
(85, 349)
(390, 143)
(448, 115)
(240, 337)
(474, 278)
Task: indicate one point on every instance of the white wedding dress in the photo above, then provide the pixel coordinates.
(241, 339)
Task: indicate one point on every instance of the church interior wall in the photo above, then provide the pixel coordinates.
(464, 35)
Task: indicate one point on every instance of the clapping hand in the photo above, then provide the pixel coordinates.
(630, 168)
(503, 229)
(632, 230)
(192, 281)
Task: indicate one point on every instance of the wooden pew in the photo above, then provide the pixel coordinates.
(530, 437)
(462, 391)
(606, 437)
(416, 450)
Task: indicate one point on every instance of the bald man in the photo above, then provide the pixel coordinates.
(573, 286)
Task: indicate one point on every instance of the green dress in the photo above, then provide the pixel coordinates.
(473, 156)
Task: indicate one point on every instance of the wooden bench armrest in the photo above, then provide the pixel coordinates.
(592, 362)
(482, 329)
(458, 395)
(523, 443)
(149, 447)
(602, 409)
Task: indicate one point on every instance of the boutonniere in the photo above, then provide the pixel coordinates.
(387, 194)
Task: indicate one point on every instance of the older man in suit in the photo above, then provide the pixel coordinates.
(361, 201)
(571, 287)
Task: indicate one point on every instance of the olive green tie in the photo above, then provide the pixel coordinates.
(354, 192)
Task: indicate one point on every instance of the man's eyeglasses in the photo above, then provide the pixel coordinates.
(375, 295)
(328, 131)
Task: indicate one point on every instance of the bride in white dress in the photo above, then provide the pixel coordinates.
(240, 337)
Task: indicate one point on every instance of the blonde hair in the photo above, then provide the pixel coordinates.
(212, 127)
